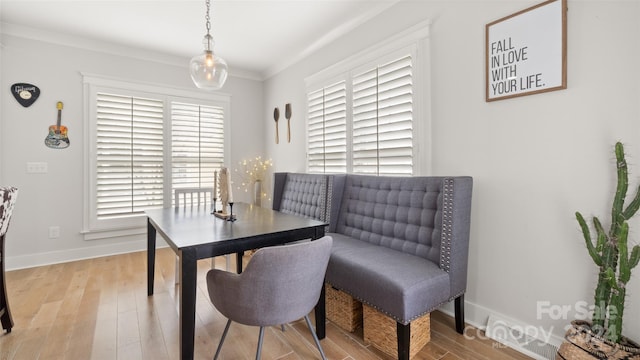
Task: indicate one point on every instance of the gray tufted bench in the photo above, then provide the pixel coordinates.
(400, 244)
(301, 194)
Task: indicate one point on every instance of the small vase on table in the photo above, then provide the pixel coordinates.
(257, 193)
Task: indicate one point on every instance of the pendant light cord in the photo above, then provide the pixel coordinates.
(207, 17)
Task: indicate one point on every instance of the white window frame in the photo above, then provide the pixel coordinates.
(413, 41)
(94, 228)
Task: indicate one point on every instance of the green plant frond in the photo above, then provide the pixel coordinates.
(623, 253)
(583, 225)
(633, 207)
(625, 274)
(598, 226)
(602, 238)
(621, 187)
(610, 275)
(623, 234)
(635, 257)
(601, 242)
(611, 251)
(586, 233)
(620, 219)
(621, 190)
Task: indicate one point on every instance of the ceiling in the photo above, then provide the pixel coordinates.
(254, 36)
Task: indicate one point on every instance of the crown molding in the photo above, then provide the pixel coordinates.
(101, 46)
(328, 38)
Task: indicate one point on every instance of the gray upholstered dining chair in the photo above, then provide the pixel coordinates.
(279, 285)
(8, 197)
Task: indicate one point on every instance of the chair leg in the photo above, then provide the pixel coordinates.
(260, 337)
(224, 335)
(459, 305)
(403, 333)
(315, 338)
(5, 313)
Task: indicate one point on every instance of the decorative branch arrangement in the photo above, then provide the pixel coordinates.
(251, 171)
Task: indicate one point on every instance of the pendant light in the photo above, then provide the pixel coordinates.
(208, 71)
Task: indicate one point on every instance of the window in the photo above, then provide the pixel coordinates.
(129, 162)
(383, 119)
(144, 142)
(197, 144)
(327, 140)
(365, 114)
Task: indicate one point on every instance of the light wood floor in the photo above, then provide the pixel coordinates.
(99, 309)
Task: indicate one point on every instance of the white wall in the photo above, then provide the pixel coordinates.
(56, 198)
(535, 159)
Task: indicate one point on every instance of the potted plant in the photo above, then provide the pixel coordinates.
(602, 338)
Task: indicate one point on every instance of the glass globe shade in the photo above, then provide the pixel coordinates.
(208, 71)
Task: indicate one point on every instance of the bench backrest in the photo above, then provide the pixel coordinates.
(301, 194)
(424, 216)
(414, 215)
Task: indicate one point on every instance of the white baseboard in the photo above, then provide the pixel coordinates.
(478, 316)
(89, 252)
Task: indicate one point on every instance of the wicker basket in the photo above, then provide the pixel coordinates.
(342, 309)
(582, 344)
(380, 330)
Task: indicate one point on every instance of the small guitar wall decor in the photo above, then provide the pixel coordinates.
(57, 138)
(25, 94)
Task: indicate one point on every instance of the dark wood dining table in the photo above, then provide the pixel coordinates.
(194, 233)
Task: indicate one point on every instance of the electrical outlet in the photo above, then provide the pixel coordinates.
(37, 167)
(54, 232)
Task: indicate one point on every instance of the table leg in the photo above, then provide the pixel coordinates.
(188, 281)
(151, 256)
(320, 310)
(320, 313)
(239, 256)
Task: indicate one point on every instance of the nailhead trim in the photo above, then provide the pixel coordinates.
(447, 224)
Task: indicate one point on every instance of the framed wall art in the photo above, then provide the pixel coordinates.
(526, 52)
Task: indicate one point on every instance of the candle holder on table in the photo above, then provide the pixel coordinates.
(231, 216)
(214, 205)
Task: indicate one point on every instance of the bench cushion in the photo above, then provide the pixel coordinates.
(401, 285)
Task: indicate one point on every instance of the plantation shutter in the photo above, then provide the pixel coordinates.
(327, 126)
(315, 131)
(197, 144)
(129, 160)
(382, 119)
